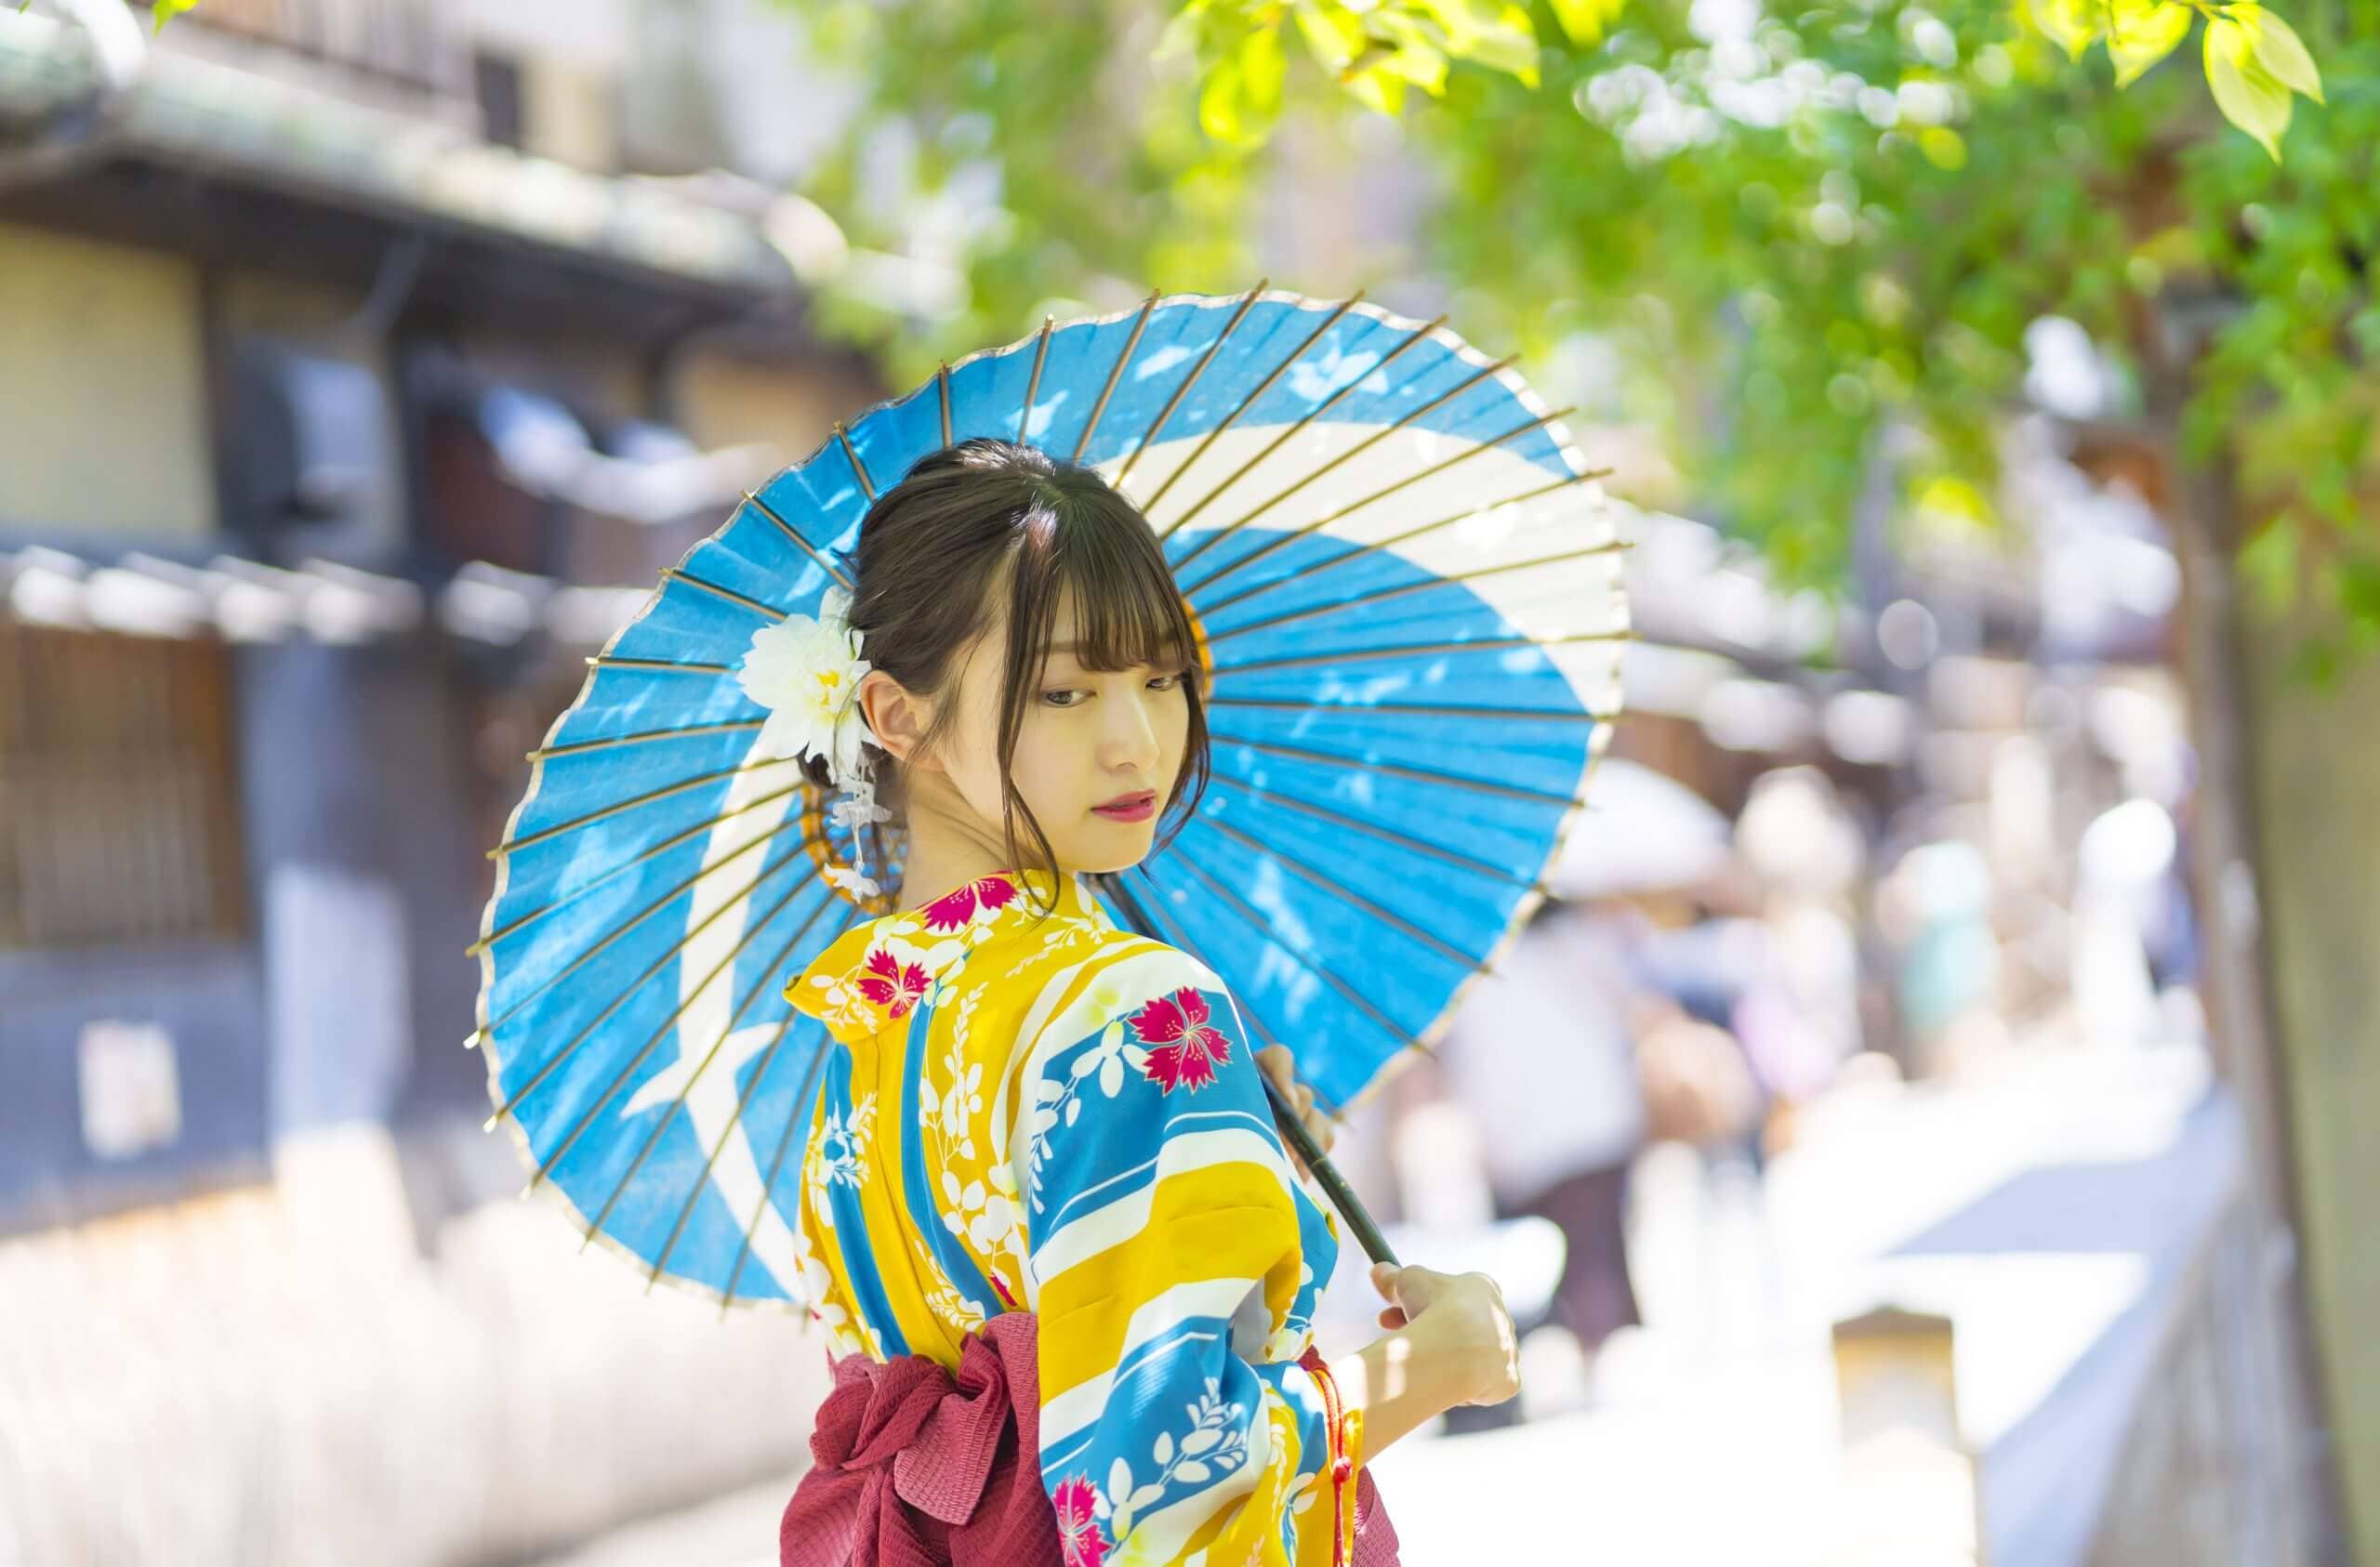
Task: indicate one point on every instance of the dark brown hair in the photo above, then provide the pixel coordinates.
(987, 518)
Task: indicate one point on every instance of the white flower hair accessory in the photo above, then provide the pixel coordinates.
(806, 671)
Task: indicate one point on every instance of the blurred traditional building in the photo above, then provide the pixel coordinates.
(362, 362)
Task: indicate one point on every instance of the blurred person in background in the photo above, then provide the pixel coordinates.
(1935, 908)
(1541, 1054)
(1798, 1018)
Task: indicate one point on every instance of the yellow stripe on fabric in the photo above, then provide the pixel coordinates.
(1223, 1221)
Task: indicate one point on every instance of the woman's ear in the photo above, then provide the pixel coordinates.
(897, 719)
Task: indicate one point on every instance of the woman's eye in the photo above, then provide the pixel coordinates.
(1168, 682)
(1053, 698)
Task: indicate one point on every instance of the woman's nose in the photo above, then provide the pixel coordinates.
(1132, 741)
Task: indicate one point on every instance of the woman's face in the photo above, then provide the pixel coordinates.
(1096, 757)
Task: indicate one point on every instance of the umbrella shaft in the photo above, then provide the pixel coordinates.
(1342, 1196)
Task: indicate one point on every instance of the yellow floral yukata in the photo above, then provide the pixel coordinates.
(1060, 1116)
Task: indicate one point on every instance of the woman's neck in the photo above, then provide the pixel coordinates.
(948, 847)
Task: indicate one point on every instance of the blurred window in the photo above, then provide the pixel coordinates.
(118, 810)
(497, 80)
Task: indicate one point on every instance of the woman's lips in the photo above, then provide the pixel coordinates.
(1140, 808)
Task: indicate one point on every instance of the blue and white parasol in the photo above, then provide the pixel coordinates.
(1409, 598)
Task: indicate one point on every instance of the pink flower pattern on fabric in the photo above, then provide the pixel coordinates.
(1185, 1048)
(892, 985)
(1078, 1533)
(953, 910)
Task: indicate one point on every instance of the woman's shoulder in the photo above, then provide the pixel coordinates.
(1036, 968)
(1122, 988)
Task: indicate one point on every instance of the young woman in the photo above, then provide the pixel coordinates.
(1032, 1110)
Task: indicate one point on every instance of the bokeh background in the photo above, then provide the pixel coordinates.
(1931, 1125)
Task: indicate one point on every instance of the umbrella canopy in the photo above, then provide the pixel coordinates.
(1409, 608)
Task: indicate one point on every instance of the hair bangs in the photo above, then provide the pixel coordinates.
(1095, 554)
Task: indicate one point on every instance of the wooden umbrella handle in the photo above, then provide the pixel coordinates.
(1342, 1196)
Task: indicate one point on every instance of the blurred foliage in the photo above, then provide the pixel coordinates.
(1801, 239)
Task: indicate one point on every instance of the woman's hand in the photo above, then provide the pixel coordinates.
(1460, 1317)
(1281, 1066)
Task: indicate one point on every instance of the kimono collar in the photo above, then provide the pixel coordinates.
(876, 973)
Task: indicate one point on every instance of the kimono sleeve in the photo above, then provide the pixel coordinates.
(1174, 1261)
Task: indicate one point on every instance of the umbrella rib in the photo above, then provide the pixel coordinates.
(1378, 595)
(1380, 495)
(768, 1182)
(671, 573)
(1479, 785)
(484, 943)
(752, 497)
(1351, 453)
(1246, 403)
(1356, 552)
(637, 918)
(1311, 964)
(1115, 376)
(743, 1102)
(859, 470)
(702, 1179)
(1425, 710)
(680, 944)
(683, 732)
(1289, 434)
(658, 666)
(942, 387)
(1247, 301)
(1484, 644)
(677, 1101)
(1339, 819)
(619, 1079)
(1033, 384)
(618, 807)
(1343, 892)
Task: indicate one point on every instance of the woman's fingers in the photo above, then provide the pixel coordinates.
(1280, 1063)
(1280, 1066)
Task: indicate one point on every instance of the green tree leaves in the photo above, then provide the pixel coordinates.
(1781, 258)
(2256, 64)
(2141, 33)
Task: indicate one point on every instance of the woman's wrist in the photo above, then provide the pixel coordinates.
(1404, 1379)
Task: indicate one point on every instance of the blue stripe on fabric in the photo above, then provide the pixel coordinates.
(1060, 1195)
(1138, 1387)
(852, 1237)
(924, 1201)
